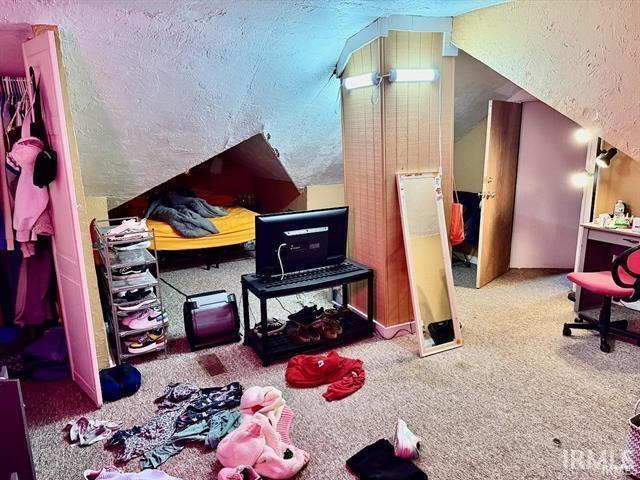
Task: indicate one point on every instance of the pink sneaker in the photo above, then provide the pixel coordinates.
(405, 444)
(148, 319)
(141, 315)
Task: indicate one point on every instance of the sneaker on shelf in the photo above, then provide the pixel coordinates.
(133, 246)
(307, 315)
(274, 327)
(124, 310)
(146, 322)
(144, 343)
(156, 313)
(147, 318)
(156, 335)
(125, 273)
(132, 295)
(135, 316)
(129, 226)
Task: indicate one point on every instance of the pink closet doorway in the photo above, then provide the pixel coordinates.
(41, 53)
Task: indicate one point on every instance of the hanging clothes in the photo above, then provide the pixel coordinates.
(35, 296)
(28, 210)
(13, 110)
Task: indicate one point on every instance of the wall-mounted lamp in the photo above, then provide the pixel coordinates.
(582, 135)
(603, 160)
(360, 81)
(581, 179)
(413, 74)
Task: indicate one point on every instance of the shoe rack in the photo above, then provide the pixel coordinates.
(113, 260)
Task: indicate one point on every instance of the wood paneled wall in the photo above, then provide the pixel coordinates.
(386, 130)
(364, 170)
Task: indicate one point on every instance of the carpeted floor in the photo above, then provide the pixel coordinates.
(514, 402)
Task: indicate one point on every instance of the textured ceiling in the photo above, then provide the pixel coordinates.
(476, 84)
(161, 85)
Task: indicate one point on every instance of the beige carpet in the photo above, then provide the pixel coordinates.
(510, 404)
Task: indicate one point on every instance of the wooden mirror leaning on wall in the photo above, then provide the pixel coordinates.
(428, 257)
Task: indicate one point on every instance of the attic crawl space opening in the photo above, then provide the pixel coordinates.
(249, 174)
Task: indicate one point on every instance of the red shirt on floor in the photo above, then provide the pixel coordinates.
(345, 375)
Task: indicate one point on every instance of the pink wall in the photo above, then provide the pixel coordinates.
(547, 207)
(12, 36)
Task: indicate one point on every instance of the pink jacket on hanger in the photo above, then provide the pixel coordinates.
(30, 201)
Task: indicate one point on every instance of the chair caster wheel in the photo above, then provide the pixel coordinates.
(604, 346)
(579, 320)
(566, 331)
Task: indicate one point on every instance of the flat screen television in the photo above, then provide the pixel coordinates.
(294, 241)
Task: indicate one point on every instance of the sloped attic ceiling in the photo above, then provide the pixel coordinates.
(476, 84)
(158, 86)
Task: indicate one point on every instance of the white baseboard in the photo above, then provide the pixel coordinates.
(395, 330)
(388, 332)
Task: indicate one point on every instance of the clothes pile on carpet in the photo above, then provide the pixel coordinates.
(85, 432)
(382, 460)
(186, 213)
(261, 445)
(186, 414)
(343, 375)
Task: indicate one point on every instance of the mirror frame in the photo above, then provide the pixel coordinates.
(446, 257)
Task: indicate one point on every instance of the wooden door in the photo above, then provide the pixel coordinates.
(41, 54)
(498, 190)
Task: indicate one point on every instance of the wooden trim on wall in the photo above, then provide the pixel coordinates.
(389, 129)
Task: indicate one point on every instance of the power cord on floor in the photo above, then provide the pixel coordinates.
(283, 307)
(398, 332)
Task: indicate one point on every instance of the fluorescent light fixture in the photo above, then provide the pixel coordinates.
(581, 179)
(360, 81)
(413, 74)
(582, 135)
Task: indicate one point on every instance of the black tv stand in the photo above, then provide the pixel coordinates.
(270, 348)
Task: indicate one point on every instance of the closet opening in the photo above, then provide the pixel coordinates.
(513, 160)
(244, 180)
(47, 313)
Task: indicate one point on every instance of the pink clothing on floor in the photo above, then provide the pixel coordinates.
(262, 440)
(267, 401)
(30, 201)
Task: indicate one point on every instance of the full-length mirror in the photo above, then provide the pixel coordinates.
(428, 262)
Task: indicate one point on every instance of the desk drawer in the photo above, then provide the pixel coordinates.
(616, 238)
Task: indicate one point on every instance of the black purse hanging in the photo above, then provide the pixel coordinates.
(45, 168)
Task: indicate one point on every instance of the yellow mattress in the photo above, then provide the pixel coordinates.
(236, 227)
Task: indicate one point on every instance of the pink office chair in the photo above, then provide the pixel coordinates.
(621, 283)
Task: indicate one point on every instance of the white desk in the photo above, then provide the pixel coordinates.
(597, 249)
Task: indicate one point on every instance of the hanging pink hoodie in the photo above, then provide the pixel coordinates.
(30, 201)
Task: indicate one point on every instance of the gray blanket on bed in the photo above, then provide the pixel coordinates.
(188, 215)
